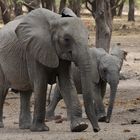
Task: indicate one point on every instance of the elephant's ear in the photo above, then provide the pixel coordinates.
(67, 12)
(119, 54)
(34, 34)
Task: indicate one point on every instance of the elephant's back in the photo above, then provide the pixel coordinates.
(49, 14)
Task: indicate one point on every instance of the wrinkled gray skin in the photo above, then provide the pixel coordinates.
(105, 69)
(36, 49)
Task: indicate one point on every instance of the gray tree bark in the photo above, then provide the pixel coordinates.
(120, 9)
(113, 10)
(4, 11)
(131, 12)
(49, 4)
(101, 11)
(17, 8)
(75, 5)
(62, 5)
(103, 24)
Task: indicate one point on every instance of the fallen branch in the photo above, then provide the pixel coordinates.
(133, 121)
(136, 59)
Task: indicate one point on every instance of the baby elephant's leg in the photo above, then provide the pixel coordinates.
(51, 107)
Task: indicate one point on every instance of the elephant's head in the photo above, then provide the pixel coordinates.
(109, 69)
(48, 37)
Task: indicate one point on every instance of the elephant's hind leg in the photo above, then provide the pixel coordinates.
(51, 107)
(25, 114)
(3, 93)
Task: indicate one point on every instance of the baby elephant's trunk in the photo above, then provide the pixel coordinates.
(113, 91)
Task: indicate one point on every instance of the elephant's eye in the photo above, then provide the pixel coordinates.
(105, 70)
(67, 40)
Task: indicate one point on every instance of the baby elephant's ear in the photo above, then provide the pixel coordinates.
(34, 34)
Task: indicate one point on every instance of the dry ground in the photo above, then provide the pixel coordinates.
(127, 107)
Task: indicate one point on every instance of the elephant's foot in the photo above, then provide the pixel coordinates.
(101, 117)
(38, 127)
(25, 122)
(107, 120)
(50, 115)
(96, 129)
(25, 125)
(78, 125)
(1, 125)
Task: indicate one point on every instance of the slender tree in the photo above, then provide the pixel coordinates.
(117, 7)
(4, 11)
(113, 9)
(62, 5)
(17, 8)
(49, 4)
(120, 8)
(131, 12)
(75, 5)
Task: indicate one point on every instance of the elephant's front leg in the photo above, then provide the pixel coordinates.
(25, 114)
(70, 97)
(40, 88)
(3, 93)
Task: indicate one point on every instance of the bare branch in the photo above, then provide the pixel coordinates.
(88, 7)
(28, 6)
(118, 4)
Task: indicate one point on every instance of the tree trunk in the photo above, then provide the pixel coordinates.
(43, 3)
(62, 5)
(17, 8)
(120, 9)
(4, 11)
(103, 20)
(131, 16)
(49, 4)
(54, 6)
(75, 6)
(113, 10)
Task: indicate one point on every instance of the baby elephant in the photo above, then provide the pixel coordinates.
(105, 69)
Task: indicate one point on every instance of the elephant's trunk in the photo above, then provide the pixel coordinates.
(84, 64)
(113, 90)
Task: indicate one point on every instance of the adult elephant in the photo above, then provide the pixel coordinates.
(105, 69)
(34, 50)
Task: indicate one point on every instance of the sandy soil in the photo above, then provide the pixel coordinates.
(126, 113)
